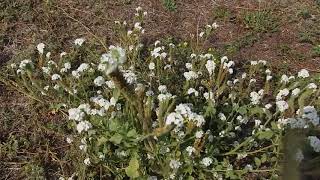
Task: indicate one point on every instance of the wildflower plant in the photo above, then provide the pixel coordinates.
(169, 110)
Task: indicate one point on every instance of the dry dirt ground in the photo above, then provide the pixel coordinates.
(283, 32)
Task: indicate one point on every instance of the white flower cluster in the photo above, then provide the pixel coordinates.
(66, 67)
(303, 73)
(82, 68)
(183, 111)
(206, 161)
(175, 164)
(190, 75)
(210, 65)
(193, 91)
(282, 105)
(282, 93)
(227, 64)
(158, 52)
(78, 115)
(111, 60)
(79, 41)
(256, 96)
(40, 48)
(99, 81)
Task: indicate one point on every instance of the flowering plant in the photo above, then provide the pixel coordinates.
(169, 110)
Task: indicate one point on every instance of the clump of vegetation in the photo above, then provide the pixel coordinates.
(261, 21)
(170, 5)
(316, 51)
(168, 110)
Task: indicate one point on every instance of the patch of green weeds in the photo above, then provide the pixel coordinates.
(170, 5)
(316, 51)
(306, 37)
(261, 21)
(304, 13)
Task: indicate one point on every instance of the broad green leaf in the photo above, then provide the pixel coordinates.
(101, 141)
(132, 133)
(114, 125)
(265, 134)
(242, 110)
(116, 139)
(257, 161)
(263, 158)
(132, 169)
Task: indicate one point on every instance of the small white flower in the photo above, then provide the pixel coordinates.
(201, 34)
(222, 117)
(190, 150)
(13, 65)
(282, 105)
(174, 164)
(48, 55)
(253, 63)
(199, 134)
(215, 25)
(162, 89)
(83, 126)
(75, 74)
(244, 75)
(303, 73)
(206, 161)
(269, 78)
(69, 140)
(87, 161)
(67, 65)
(110, 84)
(312, 86)
(99, 81)
(46, 88)
(284, 79)
(79, 41)
(295, 92)
(252, 81)
(55, 77)
(190, 75)
(189, 66)
(174, 118)
(40, 48)
(139, 8)
(192, 90)
(152, 66)
(83, 67)
(282, 93)
(262, 62)
(268, 106)
(63, 54)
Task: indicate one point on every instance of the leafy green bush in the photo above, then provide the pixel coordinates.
(168, 110)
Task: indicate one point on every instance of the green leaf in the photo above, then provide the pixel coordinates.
(257, 161)
(265, 134)
(101, 141)
(116, 139)
(132, 133)
(132, 169)
(242, 110)
(114, 125)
